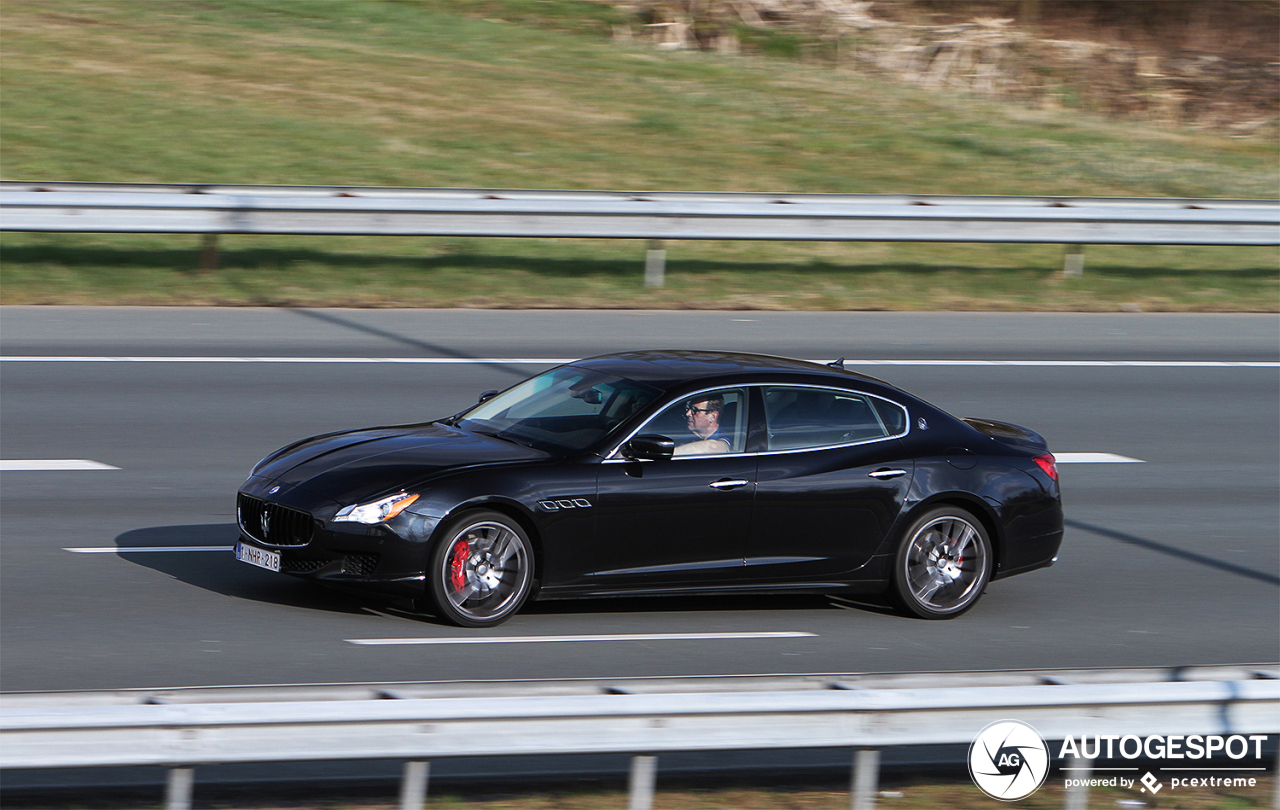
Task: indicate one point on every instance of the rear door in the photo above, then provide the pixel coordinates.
(830, 484)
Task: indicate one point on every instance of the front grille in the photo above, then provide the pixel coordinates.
(272, 523)
(359, 564)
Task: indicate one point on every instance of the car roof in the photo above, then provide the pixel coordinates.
(668, 368)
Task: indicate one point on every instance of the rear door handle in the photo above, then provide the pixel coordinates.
(729, 483)
(886, 474)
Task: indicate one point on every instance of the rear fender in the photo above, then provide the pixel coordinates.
(984, 490)
(979, 508)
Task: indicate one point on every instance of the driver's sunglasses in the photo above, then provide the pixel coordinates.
(692, 409)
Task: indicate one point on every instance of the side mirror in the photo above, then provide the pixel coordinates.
(649, 447)
(488, 395)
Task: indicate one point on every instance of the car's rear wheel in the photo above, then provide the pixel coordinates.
(482, 571)
(943, 564)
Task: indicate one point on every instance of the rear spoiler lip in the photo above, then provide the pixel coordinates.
(1007, 433)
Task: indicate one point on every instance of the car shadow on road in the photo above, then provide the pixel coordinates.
(211, 565)
(706, 604)
(1178, 553)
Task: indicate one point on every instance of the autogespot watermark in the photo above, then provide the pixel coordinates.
(1009, 760)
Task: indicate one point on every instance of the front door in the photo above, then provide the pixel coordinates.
(680, 522)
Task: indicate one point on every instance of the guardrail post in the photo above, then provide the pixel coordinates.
(1073, 262)
(866, 778)
(1275, 800)
(209, 253)
(177, 793)
(644, 773)
(413, 785)
(655, 264)
(1078, 768)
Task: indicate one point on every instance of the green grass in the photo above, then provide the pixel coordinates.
(529, 94)
(511, 273)
(896, 794)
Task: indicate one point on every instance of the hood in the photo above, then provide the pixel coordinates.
(360, 464)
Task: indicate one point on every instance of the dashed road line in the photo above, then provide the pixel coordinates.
(143, 549)
(1095, 458)
(551, 361)
(51, 465)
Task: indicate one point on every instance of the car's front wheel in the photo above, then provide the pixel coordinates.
(482, 571)
(943, 564)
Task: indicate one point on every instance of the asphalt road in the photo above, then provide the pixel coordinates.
(1172, 561)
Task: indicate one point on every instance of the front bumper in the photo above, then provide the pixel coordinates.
(388, 558)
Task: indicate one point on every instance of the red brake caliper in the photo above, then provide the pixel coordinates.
(458, 565)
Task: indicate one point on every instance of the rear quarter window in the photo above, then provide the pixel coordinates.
(894, 416)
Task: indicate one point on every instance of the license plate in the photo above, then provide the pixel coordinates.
(260, 557)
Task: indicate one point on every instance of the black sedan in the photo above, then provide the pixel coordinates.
(663, 472)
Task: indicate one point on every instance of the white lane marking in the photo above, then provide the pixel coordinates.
(551, 361)
(1077, 363)
(51, 464)
(143, 549)
(1095, 458)
(555, 361)
(387, 642)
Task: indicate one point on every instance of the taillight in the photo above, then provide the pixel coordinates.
(1049, 464)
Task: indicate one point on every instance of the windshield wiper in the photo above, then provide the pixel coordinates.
(503, 438)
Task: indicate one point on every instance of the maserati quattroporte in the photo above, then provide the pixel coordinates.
(663, 472)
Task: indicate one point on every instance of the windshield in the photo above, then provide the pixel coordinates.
(565, 409)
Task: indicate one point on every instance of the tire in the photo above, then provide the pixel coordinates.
(481, 572)
(943, 564)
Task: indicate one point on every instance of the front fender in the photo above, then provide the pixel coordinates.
(555, 505)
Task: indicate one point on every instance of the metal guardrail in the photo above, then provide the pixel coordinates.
(653, 216)
(579, 194)
(45, 732)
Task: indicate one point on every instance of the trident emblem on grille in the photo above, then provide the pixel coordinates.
(266, 522)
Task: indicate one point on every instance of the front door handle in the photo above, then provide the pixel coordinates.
(729, 483)
(887, 474)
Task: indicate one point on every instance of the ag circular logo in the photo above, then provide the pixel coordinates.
(1009, 760)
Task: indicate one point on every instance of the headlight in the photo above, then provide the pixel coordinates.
(375, 512)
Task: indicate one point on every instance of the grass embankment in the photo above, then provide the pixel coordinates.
(527, 94)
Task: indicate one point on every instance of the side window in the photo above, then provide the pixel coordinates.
(704, 424)
(817, 417)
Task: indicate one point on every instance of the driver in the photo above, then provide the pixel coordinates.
(702, 417)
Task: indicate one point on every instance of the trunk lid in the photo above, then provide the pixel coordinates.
(1013, 435)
